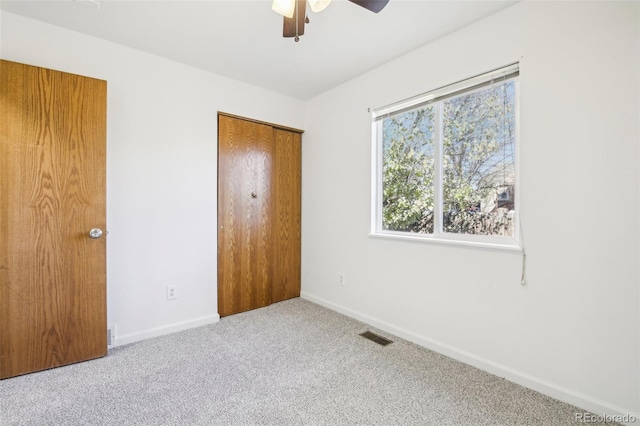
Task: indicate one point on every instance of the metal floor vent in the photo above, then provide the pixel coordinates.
(376, 338)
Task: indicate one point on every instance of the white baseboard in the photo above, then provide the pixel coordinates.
(161, 331)
(553, 390)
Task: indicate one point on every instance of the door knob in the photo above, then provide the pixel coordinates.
(254, 195)
(95, 233)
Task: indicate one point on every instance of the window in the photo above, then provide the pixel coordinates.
(445, 163)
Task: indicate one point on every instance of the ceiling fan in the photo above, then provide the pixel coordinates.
(295, 16)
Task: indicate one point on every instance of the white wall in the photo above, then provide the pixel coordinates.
(573, 332)
(161, 169)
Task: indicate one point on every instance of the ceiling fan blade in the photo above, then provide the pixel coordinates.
(289, 28)
(373, 5)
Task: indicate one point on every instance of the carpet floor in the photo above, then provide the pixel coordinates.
(292, 363)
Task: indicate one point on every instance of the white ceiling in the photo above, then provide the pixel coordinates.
(243, 39)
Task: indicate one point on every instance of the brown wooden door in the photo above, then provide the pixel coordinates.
(52, 192)
(258, 214)
(244, 215)
(286, 215)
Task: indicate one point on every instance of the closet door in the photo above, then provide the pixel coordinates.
(52, 193)
(245, 151)
(286, 214)
(258, 214)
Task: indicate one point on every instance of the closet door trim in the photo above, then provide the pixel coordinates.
(275, 126)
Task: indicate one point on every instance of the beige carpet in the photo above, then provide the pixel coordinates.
(292, 363)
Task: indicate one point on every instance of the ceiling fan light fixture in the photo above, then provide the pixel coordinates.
(319, 5)
(284, 7)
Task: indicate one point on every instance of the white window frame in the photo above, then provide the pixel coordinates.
(438, 236)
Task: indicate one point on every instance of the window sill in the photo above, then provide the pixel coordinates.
(511, 246)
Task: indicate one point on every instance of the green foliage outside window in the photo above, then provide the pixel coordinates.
(407, 181)
(477, 158)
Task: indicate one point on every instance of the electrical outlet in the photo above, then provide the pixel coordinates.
(341, 281)
(171, 292)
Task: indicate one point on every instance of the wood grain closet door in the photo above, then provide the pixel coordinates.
(286, 215)
(244, 215)
(52, 192)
